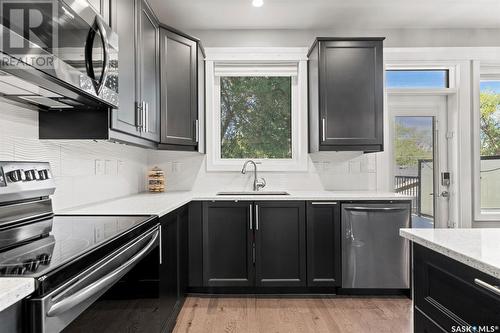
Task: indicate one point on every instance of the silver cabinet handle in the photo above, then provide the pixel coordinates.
(326, 203)
(93, 288)
(375, 209)
(197, 130)
(323, 129)
(160, 244)
(139, 115)
(146, 111)
(487, 286)
(256, 217)
(250, 220)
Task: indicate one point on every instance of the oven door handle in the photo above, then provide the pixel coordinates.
(97, 286)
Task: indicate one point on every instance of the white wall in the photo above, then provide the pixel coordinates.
(394, 37)
(329, 171)
(72, 162)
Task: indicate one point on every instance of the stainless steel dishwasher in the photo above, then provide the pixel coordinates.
(374, 256)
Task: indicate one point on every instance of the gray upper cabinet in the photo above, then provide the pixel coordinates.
(346, 95)
(138, 111)
(148, 72)
(124, 118)
(179, 91)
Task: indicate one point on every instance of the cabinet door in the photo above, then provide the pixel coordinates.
(178, 89)
(450, 293)
(123, 18)
(227, 244)
(421, 323)
(280, 240)
(351, 95)
(148, 72)
(323, 244)
(169, 266)
(183, 225)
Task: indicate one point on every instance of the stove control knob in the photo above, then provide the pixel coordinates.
(44, 258)
(31, 264)
(44, 174)
(32, 175)
(16, 175)
(18, 270)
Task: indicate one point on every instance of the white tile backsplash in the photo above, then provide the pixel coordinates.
(121, 169)
(73, 162)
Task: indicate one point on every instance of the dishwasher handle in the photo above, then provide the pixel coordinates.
(375, 209)
(95, 287)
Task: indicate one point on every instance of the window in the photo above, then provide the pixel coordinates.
(256, 108)
(256, 114)
(489, 146)
(425, 78)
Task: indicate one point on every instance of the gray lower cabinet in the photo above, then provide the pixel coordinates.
(280, 242)
(346, 95)
(450, 296)
(173, 267)
(324, 260)
(179, 90)
(227, 244)
(248, 244)
(138, 113)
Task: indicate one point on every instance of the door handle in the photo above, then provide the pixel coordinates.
(197, 130)
(250, 220)
(139, 115)
(109, 279)
(256, 217)
(487, 286)
(105, 66)
(375, 209)
(146, 117)
(323, 129)
(89, 43)
(326, 203)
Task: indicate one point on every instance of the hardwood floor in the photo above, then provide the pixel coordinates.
(300, 315)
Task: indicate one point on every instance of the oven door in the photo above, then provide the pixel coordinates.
(72, 43)
(116, 294)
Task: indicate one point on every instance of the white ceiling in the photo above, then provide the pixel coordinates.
(328, 14)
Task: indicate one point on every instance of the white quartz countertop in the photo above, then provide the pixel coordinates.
(12, 290)
(163, 203)
(477, 248)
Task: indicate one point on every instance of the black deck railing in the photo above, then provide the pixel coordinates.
(409, 185)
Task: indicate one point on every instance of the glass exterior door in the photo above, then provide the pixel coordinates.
(419, 156)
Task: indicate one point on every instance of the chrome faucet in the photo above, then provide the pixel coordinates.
(258, 183)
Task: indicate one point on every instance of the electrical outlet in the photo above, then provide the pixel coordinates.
(120, 166)
(99, 167)
(108, 167)
(176, 167)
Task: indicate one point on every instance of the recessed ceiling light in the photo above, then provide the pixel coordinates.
(257, 3)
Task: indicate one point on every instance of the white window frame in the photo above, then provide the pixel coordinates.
(481, 71)
(262, 59)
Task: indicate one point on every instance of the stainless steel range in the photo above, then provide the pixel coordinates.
(76, 261)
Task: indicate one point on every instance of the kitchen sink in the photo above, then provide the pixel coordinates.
(254, 193)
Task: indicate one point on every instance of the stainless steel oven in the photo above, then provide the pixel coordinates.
(72, 56)
(106, 296)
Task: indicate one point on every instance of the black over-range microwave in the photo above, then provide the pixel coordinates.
(57, 54)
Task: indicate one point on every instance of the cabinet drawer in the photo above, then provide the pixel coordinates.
(423, 324)
(446, 291)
